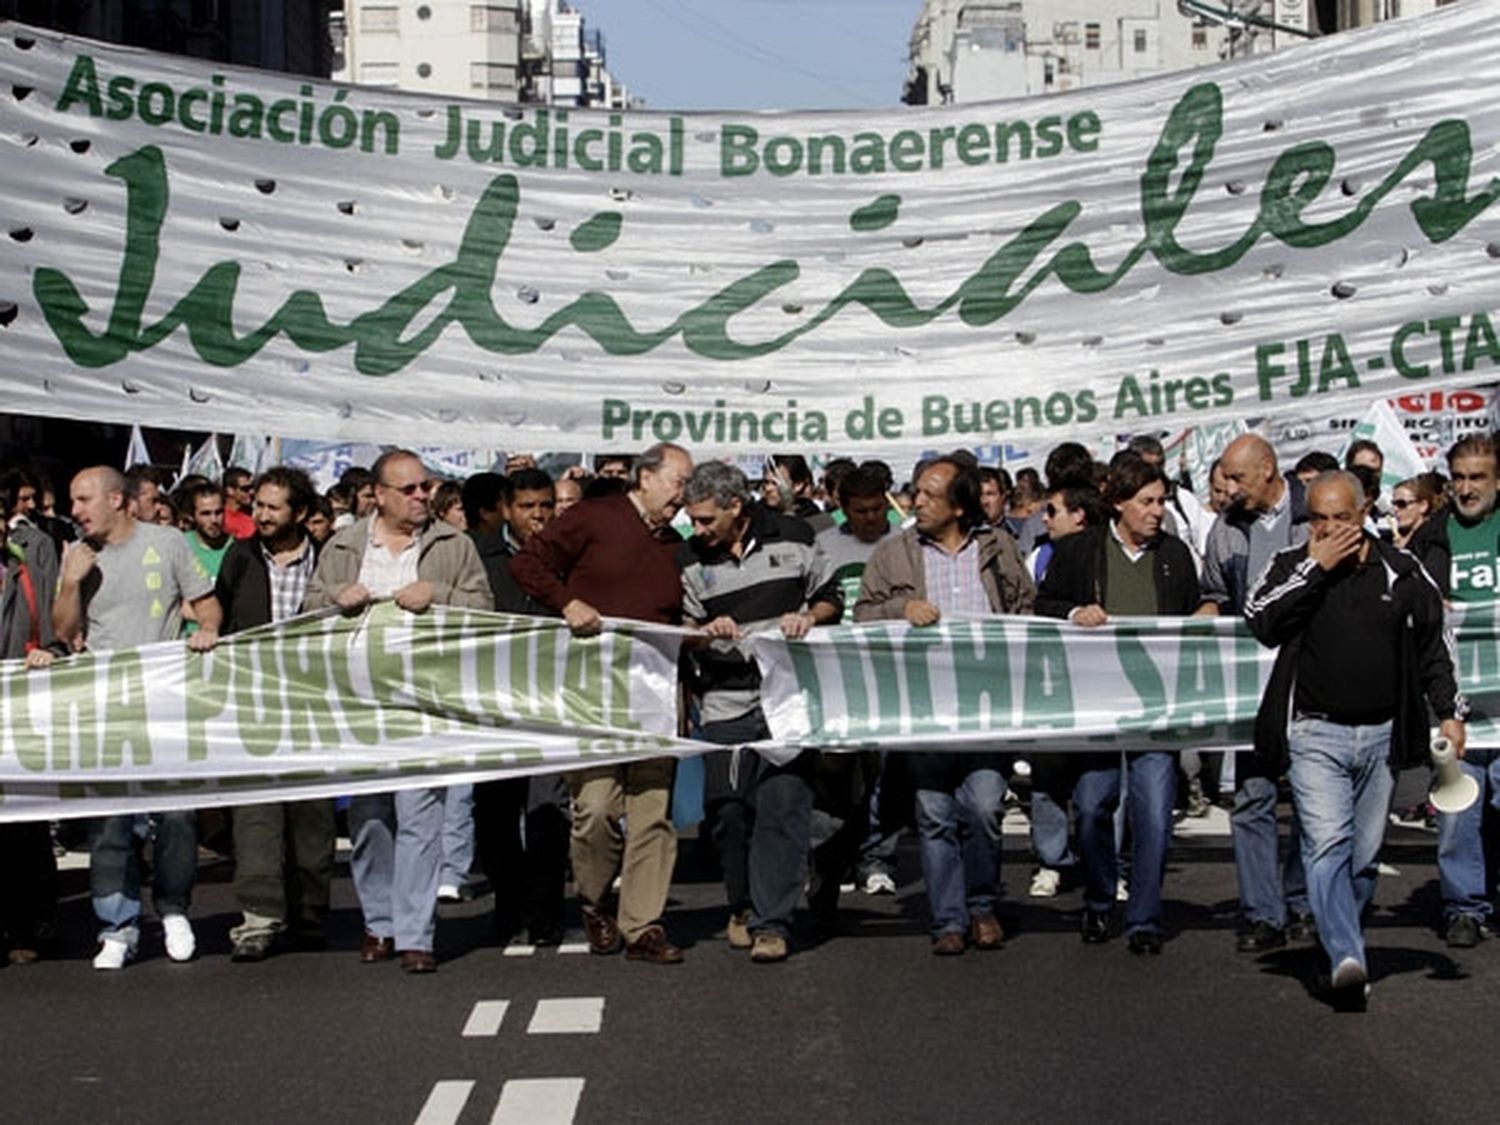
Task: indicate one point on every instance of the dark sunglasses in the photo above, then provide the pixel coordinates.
(422, 486)
(1402, 504)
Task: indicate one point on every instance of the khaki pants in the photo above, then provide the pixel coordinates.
(643, 857)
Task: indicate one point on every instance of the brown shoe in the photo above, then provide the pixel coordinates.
(22, 955)
(768, 948)
(602, 931)
(654, 947)
(418, 961)
(950, 944)
(373, 949)
(986, 932)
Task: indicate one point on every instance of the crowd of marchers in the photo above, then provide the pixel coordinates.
(1349, 589)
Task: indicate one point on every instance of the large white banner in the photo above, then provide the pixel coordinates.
(187, 243)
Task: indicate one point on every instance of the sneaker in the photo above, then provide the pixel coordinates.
(879, 883)
(768, 948)
(1349, 986)
(115, 952)
(738, 931)
(178, 932)
(1122, 890)
(252, 947)
(449, 892)
(1045, 882)
(1462, 932)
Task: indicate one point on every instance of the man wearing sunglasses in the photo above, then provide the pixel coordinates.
(399, 552)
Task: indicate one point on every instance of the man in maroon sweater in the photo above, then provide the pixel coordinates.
(617, 555)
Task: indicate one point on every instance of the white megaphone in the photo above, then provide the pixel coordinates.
(1452, 790)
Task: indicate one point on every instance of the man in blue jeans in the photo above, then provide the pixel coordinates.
(747, 567)
(1126, 567)
(1363, 651)
(952, 564)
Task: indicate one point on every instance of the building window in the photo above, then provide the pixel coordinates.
(379, 19)
(1140, 41)
(489, 17)
(1091, 36)
(1200, 38)
(492, 76)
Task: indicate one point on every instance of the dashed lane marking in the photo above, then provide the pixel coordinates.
(538, 1101)
(519, 950)
(582, 1015)
(573, 947)
(446, 1102)
(486, 1018)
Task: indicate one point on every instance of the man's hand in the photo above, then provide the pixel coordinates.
(351, 597)
(1207, 609)
(1342, 542)
(582, 618)
(78, 559)
(795, 626)
(203, 640)
(722, 628)
(39, 658)
(1089, 616)
(414, 597)
(1453, 730)
(920, 612)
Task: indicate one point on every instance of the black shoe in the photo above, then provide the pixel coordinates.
(1463, 932)
(1260, 937)
(1095, 927)
(1146, 941)
(1301, 927)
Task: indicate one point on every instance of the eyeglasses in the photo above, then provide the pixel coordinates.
(422, 486)
(1402, 504)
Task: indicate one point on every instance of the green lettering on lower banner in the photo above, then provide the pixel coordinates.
(30, 743)
(981, 670)
(1143, 675)
(305, 687)
(206, 685)
(1047, 697)
(126, 723)
(75, 715)
(1200, 699)
(259, 710)
(359, 719)
(387, 656)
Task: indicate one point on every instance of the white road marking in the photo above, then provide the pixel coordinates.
(446, 1102)
(581, 1015)
(538, 1101)
(519, 950)
(485, 1019)
(573, 947)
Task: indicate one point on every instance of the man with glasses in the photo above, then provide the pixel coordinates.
(399, 552)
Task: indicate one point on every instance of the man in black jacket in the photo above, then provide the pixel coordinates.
(1363, 651)
(1126, 567)
(283, 850)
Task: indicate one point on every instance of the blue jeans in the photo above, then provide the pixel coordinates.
(877, 850)
(959, 829)
(763, 822)
(1461, 866)
(1269, 890)
(458, 835)
(115, 867)
(1153, 793)
(1050, 776)
(396, 862)
(1342, 782)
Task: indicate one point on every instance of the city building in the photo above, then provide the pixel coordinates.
(536, 51)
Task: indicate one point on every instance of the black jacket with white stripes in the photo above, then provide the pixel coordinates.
(1292, 589)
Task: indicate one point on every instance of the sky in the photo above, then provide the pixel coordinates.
(757, 54)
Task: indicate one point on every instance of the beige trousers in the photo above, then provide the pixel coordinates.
(643, 855)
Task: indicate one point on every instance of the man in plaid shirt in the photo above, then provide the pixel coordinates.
(283, 851)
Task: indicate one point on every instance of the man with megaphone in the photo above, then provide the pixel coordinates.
(1364, 650)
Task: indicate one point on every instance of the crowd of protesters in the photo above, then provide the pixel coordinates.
(1350, 594)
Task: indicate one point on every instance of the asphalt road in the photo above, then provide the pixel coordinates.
(865, 1026)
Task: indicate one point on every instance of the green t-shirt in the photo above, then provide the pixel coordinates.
(209, 558)
(1472, 575)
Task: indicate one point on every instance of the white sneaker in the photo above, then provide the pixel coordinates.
(879, 883)
(115, 952)
(1122, 891)
(1045, 882)
(178, 931)
(448, 892)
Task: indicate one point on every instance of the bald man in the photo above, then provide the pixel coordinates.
(1265, 513)
(1363, 652)
(124, 584)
